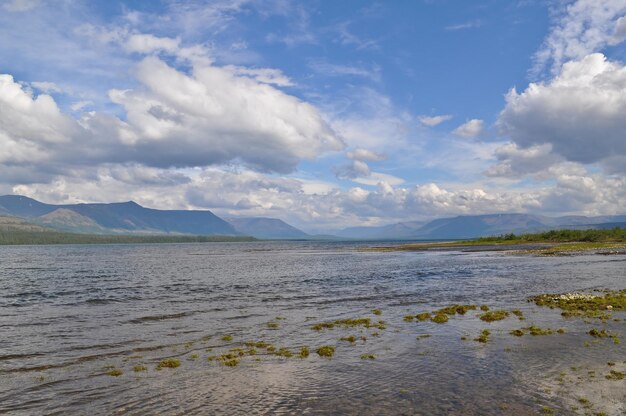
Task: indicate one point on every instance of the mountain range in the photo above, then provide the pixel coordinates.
(132, 218)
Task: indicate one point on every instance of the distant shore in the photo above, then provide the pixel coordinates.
(551, 243)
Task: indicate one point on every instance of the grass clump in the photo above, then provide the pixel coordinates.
(168, 363)
(536, 331)
(581, 304)
(440, 318)
(139, 368)
(518, 313)
(233, 362)
(377, 312)
(326, 351)
(227, 338)
(423, 316)
(615, 375)
(494, 316)
(284, 352)
(115, 373)
(484, 336)
(368, 357)
(484, 308)
(304, 352)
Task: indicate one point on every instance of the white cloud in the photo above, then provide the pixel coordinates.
(580, 113)
(80, 105)
(515, 162)
(471, 24)
(619, 33)
(472, 128)
(432, 121)
(583, 27)
(19, 5)
(46, 87)
(147, 44)
(365, 155)
(325, 68)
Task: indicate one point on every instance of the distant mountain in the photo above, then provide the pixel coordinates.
(120, 218)
(266, 228)
(399, 231)
(472, 226)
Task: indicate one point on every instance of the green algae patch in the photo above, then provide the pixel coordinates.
(494, 316)
(368, 357)
(351, 339)
(456, 309)
(347, 323)
(168, 363)
(599, 333)
(483, 337)
(272, 325)
(615, 375)
(584, 304)
(139, 368)
(423, 316)
(326, 351)
(115, 373)
(517, 332)
(484, 308)
(304, 352)
(233, 362)
(377, 312)
(519, 314)
(227, 338)
(284, 352)
(408, 318)
(440, 318)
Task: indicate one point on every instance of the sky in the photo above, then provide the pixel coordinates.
(324, 114)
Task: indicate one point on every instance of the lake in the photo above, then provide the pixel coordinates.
(71, 315)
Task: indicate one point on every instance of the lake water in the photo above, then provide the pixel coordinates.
(70, 314)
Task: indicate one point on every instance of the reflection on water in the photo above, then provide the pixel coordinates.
(70, 314)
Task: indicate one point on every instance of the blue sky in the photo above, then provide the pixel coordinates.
(324, 114)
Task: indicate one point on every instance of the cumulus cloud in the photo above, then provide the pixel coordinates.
(45, 86)
(432, 121)
(365, 155)
(582, 27)
(515, 162)
(472, 128)
(580, 113)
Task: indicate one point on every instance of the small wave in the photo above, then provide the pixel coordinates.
(152, 318)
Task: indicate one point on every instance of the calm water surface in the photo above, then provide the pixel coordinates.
(68, 314)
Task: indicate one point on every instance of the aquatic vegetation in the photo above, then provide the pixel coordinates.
(518, 313)
(484, 308)
(583, 304)
(377, 312)
(536, 331)
(189, 345)
(272, 325)
(115, 373)
(284, 352)
(139, 368)
(350, 338)
(280, 318)
(326, 351)
(423, 336)
(368, 357)
(39, 379)
(257, 344)
(547, 411)
(193, 357)
(484, 336)
(409, 318)
(168, 363)
(440, 318)
(517, 332)
(212, 357)
(599, 333)
(304, 352)
(423, 316)
(233, 362)
(227, 338)
(346, 323)
(610, 363)
(375, 334)
(615, 375)
(456, 309)
(492, 316)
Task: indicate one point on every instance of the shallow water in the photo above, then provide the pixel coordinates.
(68, 314)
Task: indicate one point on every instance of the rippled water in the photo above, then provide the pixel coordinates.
(68, 314)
